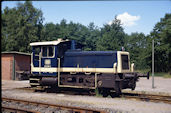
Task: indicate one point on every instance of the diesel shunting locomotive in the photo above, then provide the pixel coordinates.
(62, 64)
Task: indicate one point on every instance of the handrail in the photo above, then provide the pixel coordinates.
(59, 72)
(40, 63)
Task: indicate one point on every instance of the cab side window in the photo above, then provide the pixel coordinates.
(44, 54)
(48, 51)
(36, 51)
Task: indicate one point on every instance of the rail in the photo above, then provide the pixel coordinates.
(129, 95)
(16, 110)
(46, 105)
(148, 97)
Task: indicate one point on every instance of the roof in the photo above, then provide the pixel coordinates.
(48, 42)
(15, 52)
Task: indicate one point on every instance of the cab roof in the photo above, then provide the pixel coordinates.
(56, 42)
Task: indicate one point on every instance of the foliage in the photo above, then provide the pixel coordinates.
(161, 35)
(22, 25)
(73, 31)
(161, 74)
(112, 37)
(136, 45)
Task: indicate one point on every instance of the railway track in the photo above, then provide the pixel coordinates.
(68, 91)
(16, 110)
(31, 105)
(148, 97)
(129, 95)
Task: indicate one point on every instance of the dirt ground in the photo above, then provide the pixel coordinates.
(10, 84)
(162, 86)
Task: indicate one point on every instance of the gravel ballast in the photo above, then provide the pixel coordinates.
(111, 105)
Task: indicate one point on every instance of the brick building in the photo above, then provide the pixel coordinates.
(14, 63)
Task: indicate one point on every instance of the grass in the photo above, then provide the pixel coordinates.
(97, 93)
(157, 74)
(162, 74)
(143, 71)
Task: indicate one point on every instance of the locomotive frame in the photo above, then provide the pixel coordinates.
(59, 64)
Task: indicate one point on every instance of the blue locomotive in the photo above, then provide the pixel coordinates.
(62, 64)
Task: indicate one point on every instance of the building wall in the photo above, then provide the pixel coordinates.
(6, 66)
(22, 62)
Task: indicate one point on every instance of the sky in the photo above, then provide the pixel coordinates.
(135, 16)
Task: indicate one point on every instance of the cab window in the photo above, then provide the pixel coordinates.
(36, 51)
(125, 62)
(48, 51)
(44, 54)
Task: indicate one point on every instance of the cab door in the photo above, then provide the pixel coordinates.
(47, 56)
(36, 56)
(48, 60)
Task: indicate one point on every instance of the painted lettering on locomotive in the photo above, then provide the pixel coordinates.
(62, 63)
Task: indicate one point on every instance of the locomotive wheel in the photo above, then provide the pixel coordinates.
(114, 94)
(105, 92)
(48, 90)
(117, 94)
(52, 89)
(92, 92)
(133, 86)
(33, 86)
(117, 89)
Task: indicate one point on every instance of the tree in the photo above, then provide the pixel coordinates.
(161, 35)
(21, 25)
(50, 32)
(136, 44)
(3, 35)
(112, 37)
(93, 35)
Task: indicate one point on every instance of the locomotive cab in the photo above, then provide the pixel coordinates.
(42, 56)
(45, 55)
